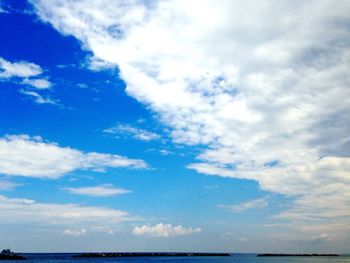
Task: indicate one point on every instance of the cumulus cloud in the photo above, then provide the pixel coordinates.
(99, 190)
(252, 204)
(128, 130)
(263, 85)
(164, 230)
(22, 69)
(22, 155)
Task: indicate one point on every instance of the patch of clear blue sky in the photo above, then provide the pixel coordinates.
(167, 190)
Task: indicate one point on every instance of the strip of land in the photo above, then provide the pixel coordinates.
(150, 254)
(11, 257)
(297, 255)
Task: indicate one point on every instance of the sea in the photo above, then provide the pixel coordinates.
(234, 258)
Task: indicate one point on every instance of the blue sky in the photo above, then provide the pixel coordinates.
(166, 126)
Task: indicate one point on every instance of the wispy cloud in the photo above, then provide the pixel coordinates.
(2, 10)
(165, 152)
(96, 64)
(98, 191)
(327, 212)
(70, 216)
(6, 185)
(128, 130)
(164, 230)
(39, 99)
(22, 155)
(252, 204)
(28, 73)
(321, 238)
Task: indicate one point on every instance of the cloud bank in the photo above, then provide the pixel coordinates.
(263, 85)
(22, 155)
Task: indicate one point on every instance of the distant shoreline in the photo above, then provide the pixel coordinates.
(151, 254)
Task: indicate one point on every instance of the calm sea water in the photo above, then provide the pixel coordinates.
(235, 258)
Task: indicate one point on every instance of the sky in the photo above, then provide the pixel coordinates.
(130, 125)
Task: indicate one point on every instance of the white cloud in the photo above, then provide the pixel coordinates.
(264, 85)
(2, 10)
(75, 232)
(102, 229)
(252, 204)
(70, 216)
(39, 99)
(38, 83)
(82, 85)
(139, 134)
(25, 70)
(32, 157)
(22, 69)
(164, 230)
(97, 64)
(99, 190)
(6, 185)
(165, 152)
(321, 238)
